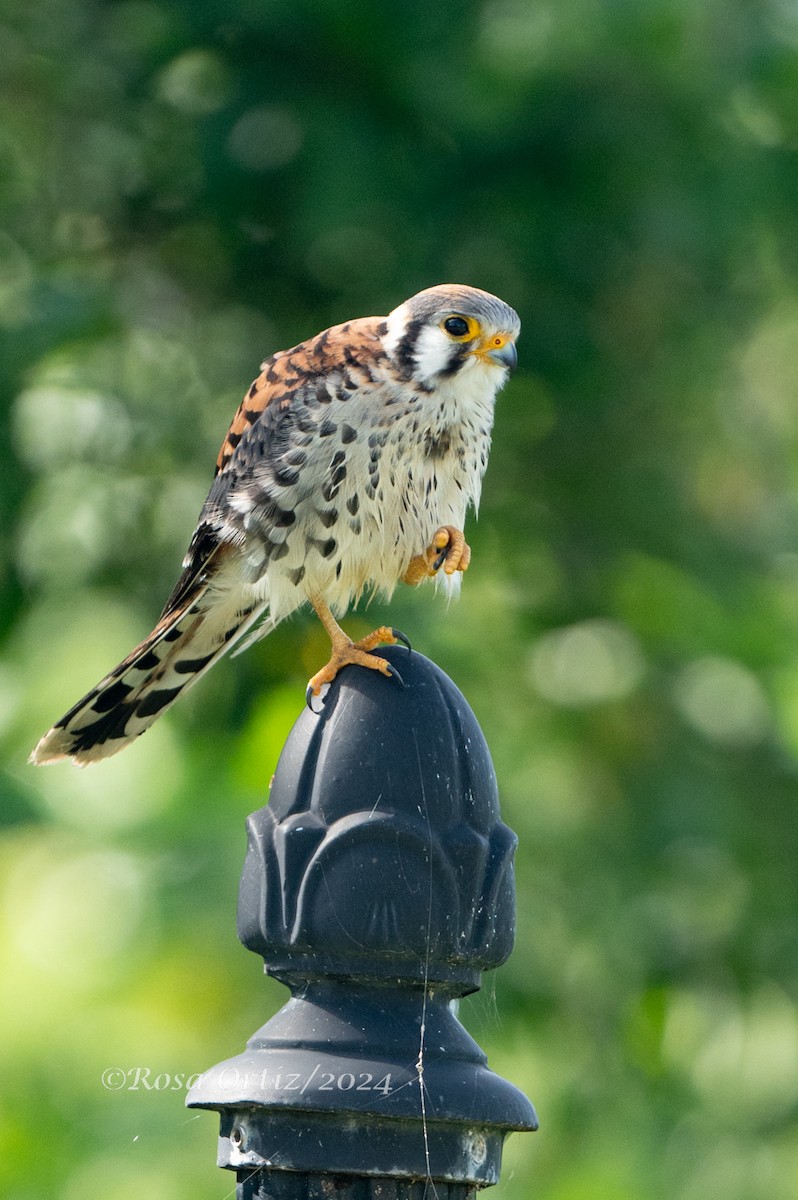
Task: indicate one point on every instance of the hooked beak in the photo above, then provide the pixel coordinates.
(505, 356)
(500, 349)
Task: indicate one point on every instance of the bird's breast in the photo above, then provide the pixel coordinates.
(359, 490)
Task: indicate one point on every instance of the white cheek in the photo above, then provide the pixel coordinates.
(397, 324)
(433, 352)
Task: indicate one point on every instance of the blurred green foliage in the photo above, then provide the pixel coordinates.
(187, 187)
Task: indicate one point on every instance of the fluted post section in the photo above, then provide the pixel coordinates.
(378, 886)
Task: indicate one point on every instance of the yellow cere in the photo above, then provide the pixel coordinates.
(496, 343)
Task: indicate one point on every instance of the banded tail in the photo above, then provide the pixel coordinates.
(202, 621)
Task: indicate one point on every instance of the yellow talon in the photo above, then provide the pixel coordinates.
(346, 653)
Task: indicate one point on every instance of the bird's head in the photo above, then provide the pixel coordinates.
(452, 328)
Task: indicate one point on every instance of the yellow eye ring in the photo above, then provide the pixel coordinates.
(460, 328)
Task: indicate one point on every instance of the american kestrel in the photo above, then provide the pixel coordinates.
(348, 467)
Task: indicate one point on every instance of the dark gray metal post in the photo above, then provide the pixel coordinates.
(378, 886)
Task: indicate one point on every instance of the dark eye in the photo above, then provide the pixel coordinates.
(457, 326)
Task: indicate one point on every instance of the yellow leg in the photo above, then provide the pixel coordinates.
(346, 652)
(449, 550)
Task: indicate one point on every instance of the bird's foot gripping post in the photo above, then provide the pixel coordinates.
(346, 653)
(378, 885)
